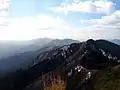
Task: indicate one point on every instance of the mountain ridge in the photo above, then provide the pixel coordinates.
(90, 55)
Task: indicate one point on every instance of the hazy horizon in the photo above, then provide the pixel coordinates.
(81, 40)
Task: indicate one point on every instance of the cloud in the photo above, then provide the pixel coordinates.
(101, 31)
(25, 28)
(105, 27)
(3, 13)
(4, 4)
(96, 6)
(111, 19)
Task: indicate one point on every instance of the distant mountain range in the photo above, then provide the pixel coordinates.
(10, 48)
(116, 41)
(17, 55)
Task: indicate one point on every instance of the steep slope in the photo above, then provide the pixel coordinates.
(105, 79)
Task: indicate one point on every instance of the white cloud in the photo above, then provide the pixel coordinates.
(25, 28)
(113, 18)
(101, 31)
(3, 13)
(4, 4)
(105, 27)
(96, 6)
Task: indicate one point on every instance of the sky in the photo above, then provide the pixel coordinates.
(75, 19)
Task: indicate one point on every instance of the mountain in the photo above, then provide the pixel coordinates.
(79, 63)
(10, 48)
(29, 53)
(61, 42)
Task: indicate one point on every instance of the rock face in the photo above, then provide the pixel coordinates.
(76, 61)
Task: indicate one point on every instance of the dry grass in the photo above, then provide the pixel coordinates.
(53, 82)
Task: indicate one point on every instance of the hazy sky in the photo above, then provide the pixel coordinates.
(77, 19)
